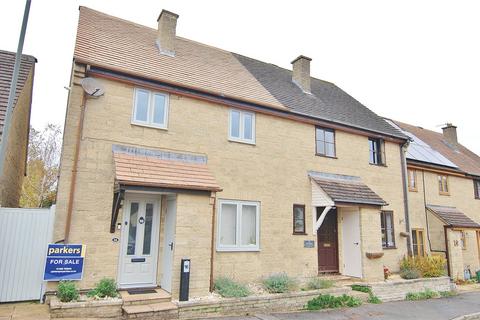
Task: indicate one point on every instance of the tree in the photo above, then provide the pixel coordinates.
(40, 185)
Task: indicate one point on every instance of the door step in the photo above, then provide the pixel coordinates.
(138, 299)
(158, 311)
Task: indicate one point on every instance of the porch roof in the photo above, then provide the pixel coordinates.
(452, 217)
(163, 169)
(346, 189)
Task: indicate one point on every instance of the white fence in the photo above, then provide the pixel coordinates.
(24, 235)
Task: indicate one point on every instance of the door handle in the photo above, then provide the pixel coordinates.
(171, 245)
(355, 243)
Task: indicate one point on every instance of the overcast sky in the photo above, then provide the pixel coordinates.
(414, 61)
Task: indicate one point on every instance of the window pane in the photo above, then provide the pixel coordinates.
(298, 219)
(320, 134)
(159, 109)
(147, 235)
(235, 124)
(248, 126)
(320, 147)
(330, 149)
(249, 225)
(329, 136)
(132, 228)
(141, 105)
(228, 225)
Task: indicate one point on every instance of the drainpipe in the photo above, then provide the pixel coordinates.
(445, 230)
(212, 243)
(71, 195)
(403, 149)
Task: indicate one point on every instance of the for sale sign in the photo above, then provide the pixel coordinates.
(64, 262)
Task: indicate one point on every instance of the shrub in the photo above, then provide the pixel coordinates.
(67, 291)
(410, 274)
(278, 283)
(446, 294)
(374, 299)
(327, 301)
(361, 288)
(427, 294)
(317, 283)
(106, 287)
(228, 288)
(428, 267)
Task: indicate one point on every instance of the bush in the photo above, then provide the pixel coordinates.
(106, 287)
(279, 283)
(374, 299)
(427, 294)
(361, 288)
(317, 283)
(446, 294)
(67, 291)
(428, 267)
(327, 301)
(410, 274)
(228, 288)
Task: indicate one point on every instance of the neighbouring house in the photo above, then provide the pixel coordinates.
(443, 197)
(241, 166)
(17, 145)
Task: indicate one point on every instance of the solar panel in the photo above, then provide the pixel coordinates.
(420, 151)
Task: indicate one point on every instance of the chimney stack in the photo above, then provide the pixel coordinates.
(301, 73)
(167, 25)
(450, 134)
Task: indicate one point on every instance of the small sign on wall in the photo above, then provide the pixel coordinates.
(309, 244)
(64, 262)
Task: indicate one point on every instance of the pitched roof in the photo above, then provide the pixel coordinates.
(140, 167)
(346, 189)
(462, 157)
(452, 217)
(7, 62)
(122, 46)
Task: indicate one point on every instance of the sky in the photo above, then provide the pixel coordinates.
(413, 61)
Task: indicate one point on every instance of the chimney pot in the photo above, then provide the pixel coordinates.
(301, 73)
(450, 134)
(167, 25)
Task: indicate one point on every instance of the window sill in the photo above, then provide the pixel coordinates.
(413, 190)
(389, 248)
(299, 234)
(378, 164)
(149, 125)
(238, 249)
(252, 143)
(325, 156)
(444, 193)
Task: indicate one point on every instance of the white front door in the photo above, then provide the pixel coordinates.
(140, 229)
(169, 245)
(352, 253)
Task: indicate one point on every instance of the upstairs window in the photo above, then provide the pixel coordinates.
(388, 233)
(150, 108)
(325, 142)
(238, 225)
(377, 155)
(443, 187)
(476, 188)
(412, 180)
(242, 126)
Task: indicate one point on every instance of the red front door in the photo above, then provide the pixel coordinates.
(327, 242)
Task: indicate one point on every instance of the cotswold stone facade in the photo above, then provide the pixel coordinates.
(17, 145)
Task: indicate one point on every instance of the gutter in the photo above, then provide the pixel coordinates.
(403, 149)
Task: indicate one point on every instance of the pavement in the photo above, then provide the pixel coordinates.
(24, 311)
(433, 309)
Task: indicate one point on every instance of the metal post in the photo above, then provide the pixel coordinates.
(13, 86)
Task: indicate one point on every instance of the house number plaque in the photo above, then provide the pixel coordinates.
(309, 244)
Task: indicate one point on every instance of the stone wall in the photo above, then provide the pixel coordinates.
(249, 305)
(395, 290)
(16, 153)
(108, 308)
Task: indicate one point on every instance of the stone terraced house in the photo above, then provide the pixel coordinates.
(16, 153)
(443, 197)
(243, 167)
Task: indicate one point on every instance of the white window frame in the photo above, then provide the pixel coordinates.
(151, 101)
(241, 127)
(238, 246)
